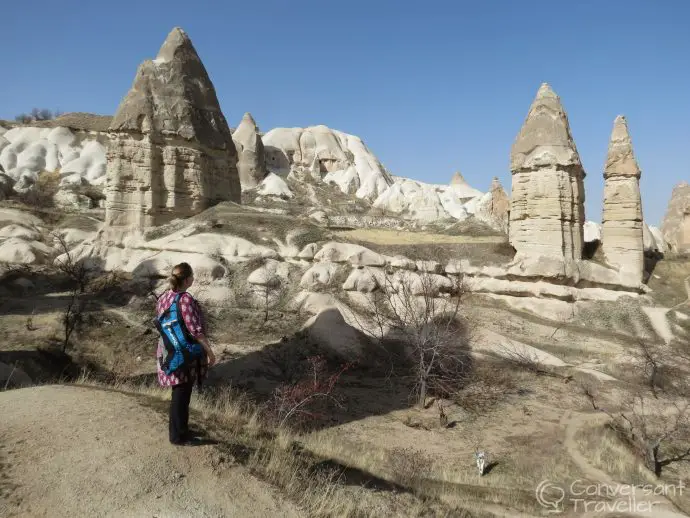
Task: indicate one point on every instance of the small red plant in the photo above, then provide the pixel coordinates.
(297, 402)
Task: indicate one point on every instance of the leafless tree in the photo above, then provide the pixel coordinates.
(72, 317)
(74, 269)
(41, 114)
(524, 358)
(657, 428)
(663, 368)
(589, 390)
(37, 114)
(407, 307)
(650, 363)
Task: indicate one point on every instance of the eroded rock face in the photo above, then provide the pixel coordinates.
(171, 153)
(621, 229)
(547, 209)
(327, 154)
(251, 163)
(494, 207)
(676, 225)
(462, 189)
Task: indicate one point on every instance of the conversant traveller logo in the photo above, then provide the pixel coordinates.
(585, 497)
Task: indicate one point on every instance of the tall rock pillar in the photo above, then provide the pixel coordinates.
(676, 225)
(547, 204)
(251, 163)
(171, 154)
(621, 229)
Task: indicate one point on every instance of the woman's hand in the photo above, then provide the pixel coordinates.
(207, 347)
(211, 357)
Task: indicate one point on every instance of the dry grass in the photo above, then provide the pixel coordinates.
(397, 237)
(319, 486)
(454, 481)
(606, 452)
(667, 281)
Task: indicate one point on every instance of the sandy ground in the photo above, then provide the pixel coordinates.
(70, 451)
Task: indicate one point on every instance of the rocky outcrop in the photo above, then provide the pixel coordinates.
(329, 155)
(547, 207)
(621, 229)
(27, 152)
(676, 225)
(494, 207)
(171, 153)
(462, 189)
(251, 162)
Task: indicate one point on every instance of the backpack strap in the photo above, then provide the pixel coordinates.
(180, 318)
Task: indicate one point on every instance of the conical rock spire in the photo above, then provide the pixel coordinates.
(676, 224)
(621, 159)
(545, 137)
(622, 231)
(547, 203)
(172, 95)
(458, 179)
(251, 163)
(171, 154)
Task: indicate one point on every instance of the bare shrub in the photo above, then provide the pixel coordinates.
(41, 114)
(526, 359)
(589, 390)
(409, 466)
(37, 114)
(72, 317)
(660, 367)
(656, 428)
(489, 384)
(408, 309)
(67, 264)
(41, 196)
(308, 399)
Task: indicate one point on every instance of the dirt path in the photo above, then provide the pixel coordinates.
(661, 508)
(71, 451)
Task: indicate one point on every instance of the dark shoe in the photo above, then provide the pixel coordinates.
(193, 434)
(188, 441)
(194, 441)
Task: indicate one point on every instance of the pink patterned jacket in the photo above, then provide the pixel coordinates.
(194, 320)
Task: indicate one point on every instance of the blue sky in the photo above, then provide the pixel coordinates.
(432, 87)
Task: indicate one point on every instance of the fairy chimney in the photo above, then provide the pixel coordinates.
(622, 226)
(171, 154)
(676, 225)
(547, 203)
(251, 163)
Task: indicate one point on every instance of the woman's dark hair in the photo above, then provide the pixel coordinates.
(180, 273)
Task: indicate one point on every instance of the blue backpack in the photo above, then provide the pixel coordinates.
(180, 347)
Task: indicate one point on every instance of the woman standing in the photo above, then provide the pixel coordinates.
(182, 383)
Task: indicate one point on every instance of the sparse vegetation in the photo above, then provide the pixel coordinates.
(37, 114)
(657, 429)
(406, 309)
(296, 404)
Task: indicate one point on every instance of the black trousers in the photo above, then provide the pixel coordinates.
(179, 411)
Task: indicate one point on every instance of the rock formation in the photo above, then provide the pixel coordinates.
(547, 208)
(251, 163)
(621, 229)
(334, 156)
(676, 225)
(494, 207)
(171, 153)
(462, 189)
